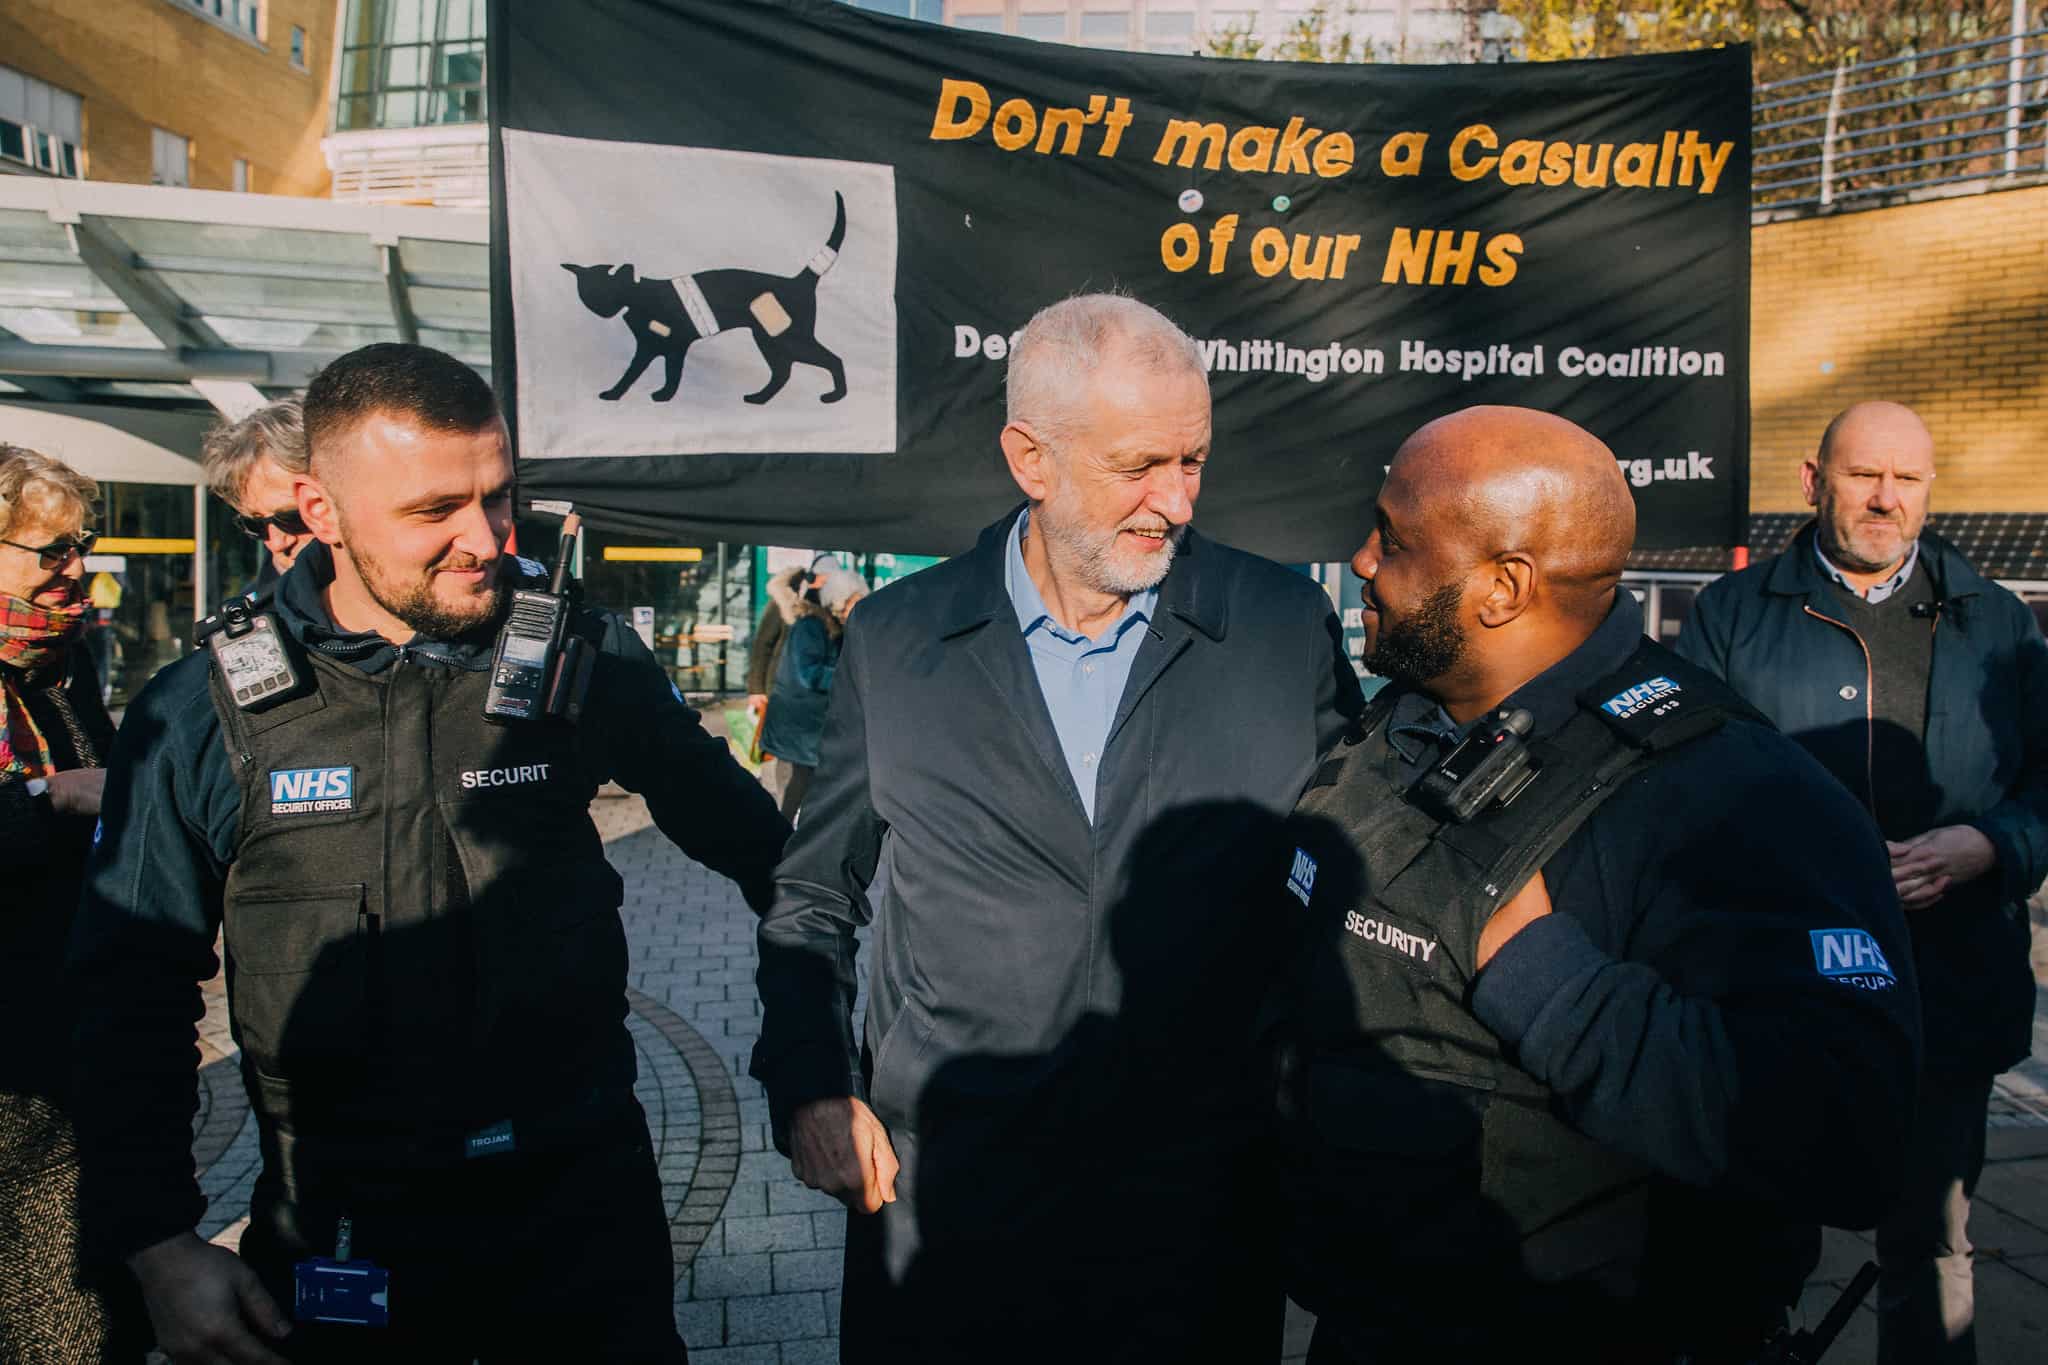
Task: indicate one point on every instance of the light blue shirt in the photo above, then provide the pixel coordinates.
(1082, 679)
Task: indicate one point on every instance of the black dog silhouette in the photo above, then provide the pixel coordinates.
(665, 316)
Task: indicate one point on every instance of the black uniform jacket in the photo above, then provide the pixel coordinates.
(1685, 1009)
(1677, 1001)
(145, 933)
(1774, 632)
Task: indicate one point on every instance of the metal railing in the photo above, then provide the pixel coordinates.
(1975, 111)
(447, 175)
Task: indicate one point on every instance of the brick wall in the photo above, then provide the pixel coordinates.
(1942, 306)
(143, 64)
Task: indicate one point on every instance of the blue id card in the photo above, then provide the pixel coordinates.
(355, 1292)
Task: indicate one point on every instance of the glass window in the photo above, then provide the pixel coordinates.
(982, 23)
(1042, 26)
(1095, 27)
(410, 63)
(67, 115)
(39, 110)
(169, 158)
(140, 583)
(298, 47)
(1169, 25)
(24, 99)
(245, 16)
(1674, 604)
(695, 599)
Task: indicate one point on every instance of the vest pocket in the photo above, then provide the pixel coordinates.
(298, 974)
(557, 951)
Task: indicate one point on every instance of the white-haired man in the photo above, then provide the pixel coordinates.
(251, 464)
(1061, 746)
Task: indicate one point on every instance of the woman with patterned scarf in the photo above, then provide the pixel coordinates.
(54, 738)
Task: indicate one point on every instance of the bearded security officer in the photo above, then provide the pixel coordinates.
(425, 962)
(1605, 1002)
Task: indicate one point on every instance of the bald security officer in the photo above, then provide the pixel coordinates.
(1578, 1067)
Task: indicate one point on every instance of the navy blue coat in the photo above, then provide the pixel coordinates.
(1774, 632)
(1027, 963)
(803, 683)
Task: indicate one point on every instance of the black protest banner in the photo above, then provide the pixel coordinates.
(756, 264)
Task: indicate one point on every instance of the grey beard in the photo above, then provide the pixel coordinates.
(1844, 557)
(1094, 559)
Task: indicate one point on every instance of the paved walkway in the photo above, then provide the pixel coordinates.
(758, 1255)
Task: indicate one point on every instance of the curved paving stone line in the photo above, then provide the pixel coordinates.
(223, 1108)
(705, 1187)
(692, 1117)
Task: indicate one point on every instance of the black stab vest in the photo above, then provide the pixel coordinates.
(422, 931)
(1419, 1147)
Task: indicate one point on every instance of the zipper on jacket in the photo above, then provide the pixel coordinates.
(1869, 711)
(374, 950)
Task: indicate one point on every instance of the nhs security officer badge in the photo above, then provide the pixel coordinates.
(312, 791)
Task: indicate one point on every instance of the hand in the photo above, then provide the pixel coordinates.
(1530, 904)
(1927, 865)
(77, 791)
(206, 1305)
(757, 706)
(839, 1146)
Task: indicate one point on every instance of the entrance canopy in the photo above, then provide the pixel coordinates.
(139, 292)
(112, 445)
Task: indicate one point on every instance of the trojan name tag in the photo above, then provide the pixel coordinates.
(492, 1141)
(312, 791)
(354, 1292)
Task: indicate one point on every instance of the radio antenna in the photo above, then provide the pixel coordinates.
(572, 527)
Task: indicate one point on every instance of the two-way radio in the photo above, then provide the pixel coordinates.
(540, 671)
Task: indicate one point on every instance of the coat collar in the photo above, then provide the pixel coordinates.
(1192, 590)
(1796, 573)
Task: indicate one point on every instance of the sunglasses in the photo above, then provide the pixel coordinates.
(58, 552)
(288, 521)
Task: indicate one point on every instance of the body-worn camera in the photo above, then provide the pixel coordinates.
(1489, 769)
(539, 670)
(251, 654)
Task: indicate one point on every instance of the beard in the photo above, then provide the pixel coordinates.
(1865, 545)
(1094, 554)
(414, 602)
(1423, 645)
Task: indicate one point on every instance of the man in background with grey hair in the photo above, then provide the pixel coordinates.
(1065, 748)
(250, 464)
